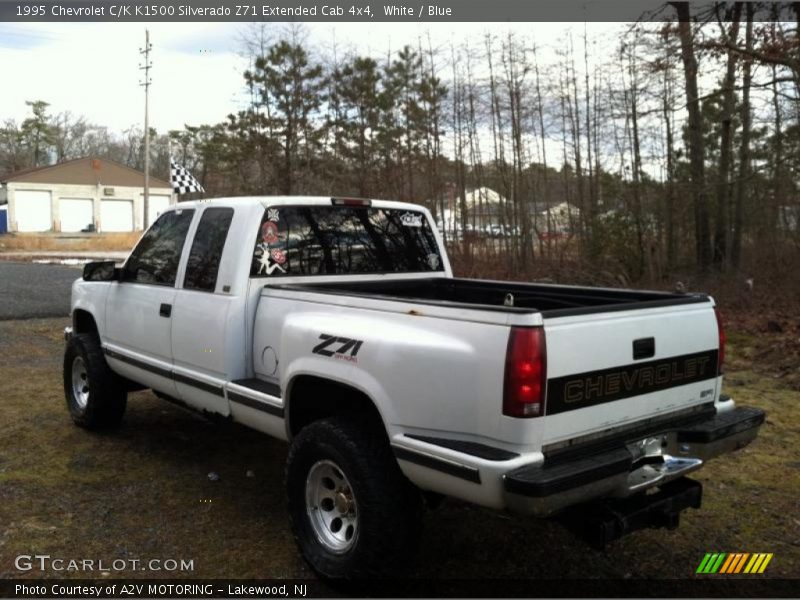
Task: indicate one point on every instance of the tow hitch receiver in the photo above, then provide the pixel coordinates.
(601, 522)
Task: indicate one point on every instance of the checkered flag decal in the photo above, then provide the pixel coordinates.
(183, 182)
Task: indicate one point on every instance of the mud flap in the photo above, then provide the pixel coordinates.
(601, 522)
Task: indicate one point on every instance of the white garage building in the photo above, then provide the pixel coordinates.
(79, 194)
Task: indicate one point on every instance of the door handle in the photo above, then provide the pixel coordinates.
(165, 310)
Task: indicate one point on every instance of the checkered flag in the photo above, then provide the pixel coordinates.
(183, 182)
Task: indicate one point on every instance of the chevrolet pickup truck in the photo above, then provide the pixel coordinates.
(336, 324)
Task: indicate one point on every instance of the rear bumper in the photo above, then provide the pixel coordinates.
(544, 489)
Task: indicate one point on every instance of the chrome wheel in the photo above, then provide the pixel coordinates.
(80, 382)
(331, 506)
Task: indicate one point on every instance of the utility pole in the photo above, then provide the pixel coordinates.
(146, 84)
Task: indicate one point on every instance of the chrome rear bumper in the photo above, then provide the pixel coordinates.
(633, 466)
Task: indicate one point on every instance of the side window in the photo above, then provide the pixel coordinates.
(157, 255)
(209, 240)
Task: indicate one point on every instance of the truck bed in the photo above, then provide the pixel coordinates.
(550, 300)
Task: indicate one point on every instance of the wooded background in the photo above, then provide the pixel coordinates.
(675, 138)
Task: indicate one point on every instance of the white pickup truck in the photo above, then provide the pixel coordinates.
(336, 324)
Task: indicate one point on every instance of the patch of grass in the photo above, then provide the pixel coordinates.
(143, 491)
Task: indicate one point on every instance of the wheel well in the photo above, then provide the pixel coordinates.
(83, 322)
(313, 398)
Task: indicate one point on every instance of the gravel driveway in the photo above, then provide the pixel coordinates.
(33, 290)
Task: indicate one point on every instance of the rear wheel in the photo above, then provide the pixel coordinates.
(96, 397)
(353, 512)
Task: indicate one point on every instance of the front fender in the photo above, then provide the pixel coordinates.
(90, 296)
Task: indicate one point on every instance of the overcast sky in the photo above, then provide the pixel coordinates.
(91, 69)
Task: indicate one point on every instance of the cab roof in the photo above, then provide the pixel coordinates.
(293, 200)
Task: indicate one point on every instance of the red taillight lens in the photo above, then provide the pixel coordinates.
(526, 373)
(721, 355)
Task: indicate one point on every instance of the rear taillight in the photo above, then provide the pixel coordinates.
(526, 373)
(721, 355)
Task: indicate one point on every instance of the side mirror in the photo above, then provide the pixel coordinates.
(104, 270)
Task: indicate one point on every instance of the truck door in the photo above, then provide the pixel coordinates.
(200, 318)
(139, 307)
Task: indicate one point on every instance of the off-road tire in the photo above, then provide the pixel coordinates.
(389, 507)
(107, 396)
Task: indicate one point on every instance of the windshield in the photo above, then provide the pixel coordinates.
(342, 240)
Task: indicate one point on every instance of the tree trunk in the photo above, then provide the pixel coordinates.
(546, 181)
(744, 148)
(726, 146)
(696, 146)
(590, 167)
(670, 207)
(637, 165)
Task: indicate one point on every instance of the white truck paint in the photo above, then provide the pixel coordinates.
(630, 396)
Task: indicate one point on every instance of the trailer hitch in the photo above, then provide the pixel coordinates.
(601, 522)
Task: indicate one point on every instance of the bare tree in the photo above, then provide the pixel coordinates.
(696, 144)
(726, 141)
(744, 145)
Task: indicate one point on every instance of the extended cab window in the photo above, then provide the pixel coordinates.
(157, 255)
(209, 240)
(341, 240)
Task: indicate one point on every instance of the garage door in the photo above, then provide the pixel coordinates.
(116, 215)
(76, 213)
(158, 204)
(32, 211)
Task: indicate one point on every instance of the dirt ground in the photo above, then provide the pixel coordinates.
(144, 491)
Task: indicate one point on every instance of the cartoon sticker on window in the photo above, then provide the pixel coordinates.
(278, 255)
(269, 260)
(269, 233)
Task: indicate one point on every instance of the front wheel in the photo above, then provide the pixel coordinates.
(353, 512)
(96, 397)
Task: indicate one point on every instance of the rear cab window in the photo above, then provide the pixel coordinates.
(202, 266)
(342, 240)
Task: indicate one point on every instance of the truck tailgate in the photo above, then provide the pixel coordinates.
(613, 368)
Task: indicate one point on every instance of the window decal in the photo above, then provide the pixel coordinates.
(266, 261)
(410, 219)
(269, 233)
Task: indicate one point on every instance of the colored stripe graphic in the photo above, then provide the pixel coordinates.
(752, 562)
(711, 563)
(724, 563)
(764, 564)
(741, 562)
(718, 563)
(757, 565)
(727, 564)
(703, 563)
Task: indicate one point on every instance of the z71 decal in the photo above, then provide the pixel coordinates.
(341, 348)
